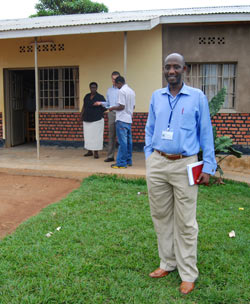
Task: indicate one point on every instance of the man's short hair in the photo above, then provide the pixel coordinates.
(93, 83)
(115, 73)
(120, 79)
(177, 55)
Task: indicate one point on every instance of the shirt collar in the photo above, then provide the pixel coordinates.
(184, 90)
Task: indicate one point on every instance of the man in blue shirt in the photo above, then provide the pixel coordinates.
(112, 98)
(178, 126)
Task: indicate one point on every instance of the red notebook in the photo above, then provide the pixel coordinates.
(194, 171)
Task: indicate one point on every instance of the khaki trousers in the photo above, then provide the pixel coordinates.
(112, 134)
(173, 210)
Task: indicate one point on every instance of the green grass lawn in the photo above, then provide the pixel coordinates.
(107, 246)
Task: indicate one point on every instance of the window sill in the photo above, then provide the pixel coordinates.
(59, 111)
(228, 111)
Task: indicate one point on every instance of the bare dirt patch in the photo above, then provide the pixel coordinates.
(24, 196)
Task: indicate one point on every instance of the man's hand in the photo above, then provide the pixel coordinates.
(117, 108)
(97, 103)
(203, 179)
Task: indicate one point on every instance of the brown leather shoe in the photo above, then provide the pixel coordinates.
(186, 287)
(158, 273)
(96, 155)
(89, 153)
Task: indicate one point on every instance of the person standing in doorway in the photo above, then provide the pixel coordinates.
(124, 112)
(93, 121)
(111, 100)
(178, 126)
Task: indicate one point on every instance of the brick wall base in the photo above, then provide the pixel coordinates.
(60, 127)
(68, 127)
(138, 147)
(65, 129)
(234, 125)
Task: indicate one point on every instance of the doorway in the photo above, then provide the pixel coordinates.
(20, 106)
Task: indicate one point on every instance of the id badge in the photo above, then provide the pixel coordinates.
(167, 135)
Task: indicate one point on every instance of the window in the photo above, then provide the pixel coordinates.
(59, 88)
(211, 78)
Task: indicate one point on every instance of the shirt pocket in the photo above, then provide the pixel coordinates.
(188, 121)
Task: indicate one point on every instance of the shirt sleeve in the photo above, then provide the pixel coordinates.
(121, 98)
(85, 100)
(205, 133)
(149, 130)
(102, 98)
(106, 104)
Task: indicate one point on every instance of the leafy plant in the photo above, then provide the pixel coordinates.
(222, 144)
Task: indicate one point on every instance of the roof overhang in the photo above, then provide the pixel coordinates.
(119, 21)
(81, 29)
(205, 18)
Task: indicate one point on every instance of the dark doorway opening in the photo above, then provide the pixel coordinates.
(29, 104)
(20, 105)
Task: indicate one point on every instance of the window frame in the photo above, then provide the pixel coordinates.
(215, 71)
(54, 96)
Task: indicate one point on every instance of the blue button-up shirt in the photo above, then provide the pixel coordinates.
(190, 124)
(112, 97)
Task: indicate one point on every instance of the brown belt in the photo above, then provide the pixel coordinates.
(171, 156)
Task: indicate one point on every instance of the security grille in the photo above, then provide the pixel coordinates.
(211, 78)
(59, 88)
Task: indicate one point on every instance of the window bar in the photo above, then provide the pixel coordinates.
(63, 86)
(54, 89)
(218, 79)
(209, 77)
(192, 76)
(48, 89)
(224, 85)
(234, 85)
(197, 76)
(229, 81)
(69, 98)
(43, 89)
(202, 70)
(60, 100)
(47, 81)
(41, 82)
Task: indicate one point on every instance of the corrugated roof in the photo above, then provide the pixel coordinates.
(116, 17)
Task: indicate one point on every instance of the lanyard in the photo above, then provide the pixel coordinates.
(172, 108)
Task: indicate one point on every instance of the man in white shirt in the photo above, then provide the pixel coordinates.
(124, 113)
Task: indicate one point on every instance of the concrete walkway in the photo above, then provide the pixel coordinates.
(70, 163)
(62, 162)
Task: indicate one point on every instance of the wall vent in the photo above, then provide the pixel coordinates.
(47, 47)
(212, 40)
